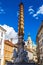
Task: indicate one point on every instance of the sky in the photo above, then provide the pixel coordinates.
(33, 16)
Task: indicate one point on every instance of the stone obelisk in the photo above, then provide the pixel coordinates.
(21, 27)
(21, 55)
(21, 20)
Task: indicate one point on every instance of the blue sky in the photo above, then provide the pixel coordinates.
(33, 15)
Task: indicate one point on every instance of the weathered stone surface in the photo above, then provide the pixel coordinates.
(9, 63)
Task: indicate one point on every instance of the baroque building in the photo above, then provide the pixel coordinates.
(39, 40)
(31, 49)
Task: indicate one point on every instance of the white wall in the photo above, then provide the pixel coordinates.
(30, 55)
(2, 46)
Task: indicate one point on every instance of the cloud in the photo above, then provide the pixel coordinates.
(31, 11)
(11, 33)
(2, 10)
(38, 12)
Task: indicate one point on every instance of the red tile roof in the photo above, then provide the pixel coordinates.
(10, 43)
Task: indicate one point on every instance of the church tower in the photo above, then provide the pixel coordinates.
(21, 20)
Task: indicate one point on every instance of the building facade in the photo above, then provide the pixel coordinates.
(2, 38)
(34, 53)
(39, 40)
(31, 49)
(6, 48)
(8, 51)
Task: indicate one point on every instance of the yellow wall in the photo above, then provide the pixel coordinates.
(8, 50)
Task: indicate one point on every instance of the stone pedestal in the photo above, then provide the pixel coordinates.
(22, 53)
(9, 63)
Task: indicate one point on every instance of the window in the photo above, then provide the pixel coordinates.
(42, 50)
(0, 41)
(42, 41)
(42, 34)
(1, 34)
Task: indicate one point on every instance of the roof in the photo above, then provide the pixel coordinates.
(2, 28)
(10, 43)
